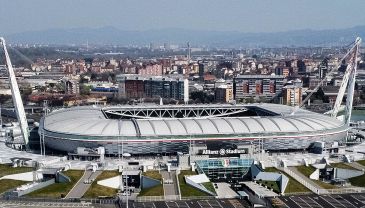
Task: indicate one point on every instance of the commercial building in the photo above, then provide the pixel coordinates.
(223, 93)
(135, 87)
(71, 86)
(292, 93)
(267, 86)
(224, 169)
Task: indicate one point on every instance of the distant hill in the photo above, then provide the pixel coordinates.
(111, 35)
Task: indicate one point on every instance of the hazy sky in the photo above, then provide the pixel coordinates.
(221, 15)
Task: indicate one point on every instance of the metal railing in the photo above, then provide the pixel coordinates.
(320, 191)
(171, 198)
(53, 200)
(149, 198)
(301, 180)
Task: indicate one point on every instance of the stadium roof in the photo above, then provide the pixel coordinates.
(90, 121)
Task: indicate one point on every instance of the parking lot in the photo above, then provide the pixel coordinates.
(15, 204)
(229, 203)
(324, 201)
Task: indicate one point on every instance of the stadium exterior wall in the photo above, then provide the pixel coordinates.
(164, 145)
(67, 129)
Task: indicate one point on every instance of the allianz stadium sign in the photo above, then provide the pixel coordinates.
(224, 152)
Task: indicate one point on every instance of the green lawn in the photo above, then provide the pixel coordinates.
(153, 191)
(209, 186)
(358, 181)
(361, 162)
(156, 190)
(342, 165)
(307, 171)
(271, 169)
(7, 184)
(97, 190)
(7, 169)
(57, 189)
(293, 185)
(187, 190)
(154, 174)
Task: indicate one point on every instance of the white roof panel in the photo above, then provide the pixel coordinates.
(300, 124)
(223, 126)
(284, 124)
(207, 126)
(237, 125)
(145, 128)
(176, 127)
(314, 124)
(191, 126)
(128, 128)
(269, 125)
(253, 125)
(160, 127)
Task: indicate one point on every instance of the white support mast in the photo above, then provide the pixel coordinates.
(349, 82)
(17, 99)
(351, 87)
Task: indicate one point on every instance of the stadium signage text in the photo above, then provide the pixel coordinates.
(224, 152)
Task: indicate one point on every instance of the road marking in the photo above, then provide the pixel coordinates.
(199, 204)
(205, 202)
(312, 200)
(347, 202)
(333, 201)
(287, 204)
(299, 202)
(359, 198)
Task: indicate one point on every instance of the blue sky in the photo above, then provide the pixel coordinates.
(219, 15)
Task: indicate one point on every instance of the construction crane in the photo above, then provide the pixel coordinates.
(348, 80)
(17, 99)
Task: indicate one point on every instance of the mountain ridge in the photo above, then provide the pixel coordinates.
(112, 35)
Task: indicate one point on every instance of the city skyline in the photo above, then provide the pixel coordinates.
(241, 16)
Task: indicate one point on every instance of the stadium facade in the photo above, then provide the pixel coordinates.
(171, 129)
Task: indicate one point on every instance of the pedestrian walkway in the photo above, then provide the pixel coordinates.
(356, 165)
(224, 191)
(83, 184)
(171, 191)
(307, 182)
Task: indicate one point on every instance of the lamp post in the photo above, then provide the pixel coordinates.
(118, 139)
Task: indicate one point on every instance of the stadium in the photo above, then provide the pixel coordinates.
(165, 129)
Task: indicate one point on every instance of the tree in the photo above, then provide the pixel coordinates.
(319, 95)
(201, 97)
(85, 89)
